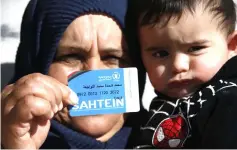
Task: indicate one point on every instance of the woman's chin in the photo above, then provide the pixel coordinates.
(98, 126)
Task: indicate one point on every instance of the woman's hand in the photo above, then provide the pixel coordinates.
(27, 107)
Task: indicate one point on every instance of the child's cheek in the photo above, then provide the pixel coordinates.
(158, 77)
(206, 69)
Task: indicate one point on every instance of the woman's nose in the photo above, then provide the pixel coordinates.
(94, 63)
(180, 63)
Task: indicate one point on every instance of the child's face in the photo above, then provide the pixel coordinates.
(183, 55)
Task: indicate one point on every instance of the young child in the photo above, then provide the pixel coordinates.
(188, 48)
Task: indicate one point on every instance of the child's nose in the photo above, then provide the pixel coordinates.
(180, 63)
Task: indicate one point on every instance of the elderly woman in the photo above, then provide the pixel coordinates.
(59, 37)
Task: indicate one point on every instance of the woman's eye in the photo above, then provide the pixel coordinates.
(111, 59)
(115, 60)
(196, 48)
(70, 58)
(160, 54)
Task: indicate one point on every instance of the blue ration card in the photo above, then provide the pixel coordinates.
(108, 91)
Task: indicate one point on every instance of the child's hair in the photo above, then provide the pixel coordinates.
(153, 12)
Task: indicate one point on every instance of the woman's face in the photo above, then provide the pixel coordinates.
(91, 42)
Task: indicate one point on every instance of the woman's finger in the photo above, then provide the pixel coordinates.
(30, 106)
(6, 91)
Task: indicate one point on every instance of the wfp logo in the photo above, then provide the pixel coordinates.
(115, 76)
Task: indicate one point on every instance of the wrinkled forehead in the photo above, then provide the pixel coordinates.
(56, 21)
(44, 23)
(59, 14)
(92, 31)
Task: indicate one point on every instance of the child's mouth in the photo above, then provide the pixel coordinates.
(179, 83)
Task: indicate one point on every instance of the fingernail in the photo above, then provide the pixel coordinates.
(51, 115)
(60, 106)
(55, 109)
(73, 97)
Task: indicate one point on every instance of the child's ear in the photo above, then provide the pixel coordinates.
(232, 41)
(232, 44)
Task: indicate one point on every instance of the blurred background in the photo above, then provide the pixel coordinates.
(11, 15)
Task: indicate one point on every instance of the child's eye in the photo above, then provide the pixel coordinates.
(160, 54)
(195, 48)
